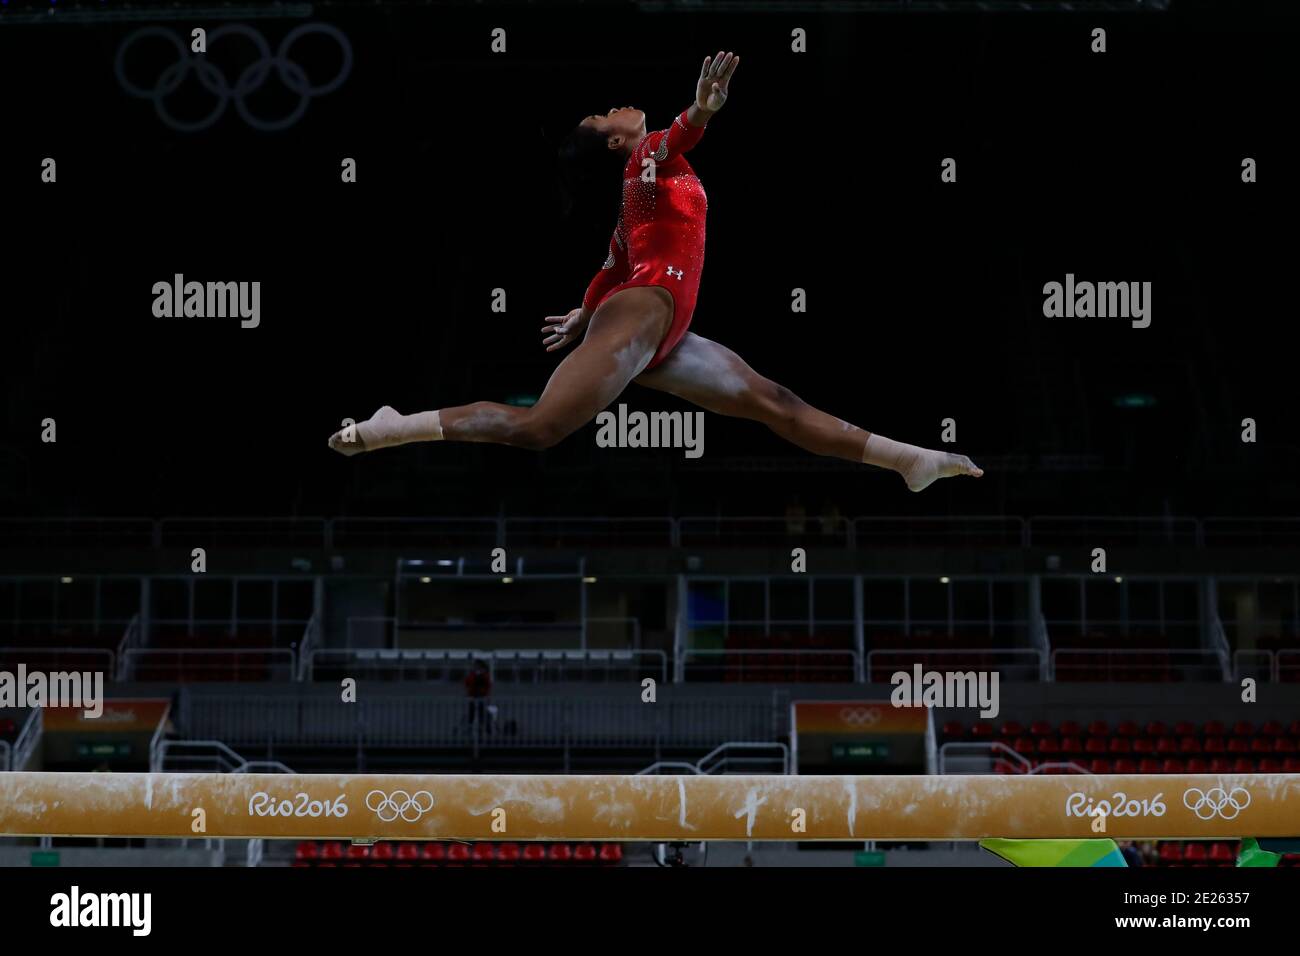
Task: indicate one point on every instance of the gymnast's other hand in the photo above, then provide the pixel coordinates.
(563, 329)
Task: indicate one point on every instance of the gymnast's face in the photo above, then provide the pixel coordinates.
(623, 127)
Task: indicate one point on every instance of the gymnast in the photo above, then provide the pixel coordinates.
(635, 316)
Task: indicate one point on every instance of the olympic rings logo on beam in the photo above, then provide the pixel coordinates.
(401, 804)
(250, 79)
(860, 716)
(1216, 802)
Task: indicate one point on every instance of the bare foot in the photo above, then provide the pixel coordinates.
(378, 431)
(929, 466)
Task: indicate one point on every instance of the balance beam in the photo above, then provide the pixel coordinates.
(653, 808)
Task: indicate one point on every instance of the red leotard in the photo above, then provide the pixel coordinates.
(659, 239)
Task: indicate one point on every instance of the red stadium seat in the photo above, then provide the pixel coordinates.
(1124, 765)
(1098, 728)
(306, 851)
(1120, 745)
(1149, 765)
(434, 853)
(1291, 765)
(1189, 744)
(1095, 745)
(1261, 745)
(1243, 728)
(584, 853)
(1048, 746)
(508, 852)
(1070, 728)
(1071, 745)
(561, 853)
(1243, 765)
(1184, 728)
(1023, 746)
(384, 852)
(1127, 728)
(1011, 728)
(1238, 746)
(1173, 765)
(1283, 745)
(1222, 853)
(611, 852)
(1272, 728)
(1144, 745)
(1270, 765)
(953, 730)
(1170, 852)
(534, 853)
(358, 851)
(332, 851)
(981, 729)
(1040, 728)
(1197, 765)
(458, 853)
(1220, 765)
(1099, 766)
(1213, 745)
(1214, 728)
(483, 852)
(408, 851)
(1195, 852)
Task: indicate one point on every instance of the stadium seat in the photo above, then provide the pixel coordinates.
(1095, 745)
(1173, 765)
(483, 852)
(1120, 745)
(1189, 744)
(1040, 728)
(1222, 853)
(953, 730)
(508, 853)
(1243, 765)
(611, 852)
(1197, 765)
(1124, 765)
(1011, 728)
(584, 853)
(1195, 853)
(1171, 852)
(534, 853)
(1127, 728)
(1071, 745)
(458, 854)
(434, 853)
(1098, 728)
(1213, 745)
(1149, 765)
(332, 852)
(306, 850)
(1070, 728)
(1184, 728)
(1243, 728)
(560, 853)
(1213, 728)
(1220, 765)
(1099, 766)
(1272, 728)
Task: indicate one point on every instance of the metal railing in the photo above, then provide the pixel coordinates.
(651, 531)
(60, 659)
(210, 664)
(518, 722)
(133, 637)
(28, 739)
(1257, 664)
(517, 666)
(981, 756)
(311, 637)
(5, 755)
(204, 756)
(1136, 663)
(745, 755)
(1013, 663)
(1287, 665)
(810, 665)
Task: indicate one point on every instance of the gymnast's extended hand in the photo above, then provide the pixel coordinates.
(711, 89)
(563, 329)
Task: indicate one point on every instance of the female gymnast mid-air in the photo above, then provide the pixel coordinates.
(634, 318)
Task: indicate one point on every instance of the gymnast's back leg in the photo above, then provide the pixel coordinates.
(717, 379)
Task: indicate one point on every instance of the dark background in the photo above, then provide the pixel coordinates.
(822, 173)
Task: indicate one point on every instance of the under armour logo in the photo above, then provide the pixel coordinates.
(677, 274)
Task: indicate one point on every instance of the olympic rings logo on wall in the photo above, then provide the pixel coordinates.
(1216, 802)
(410, 807)
(253, 77)
(860, 716)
